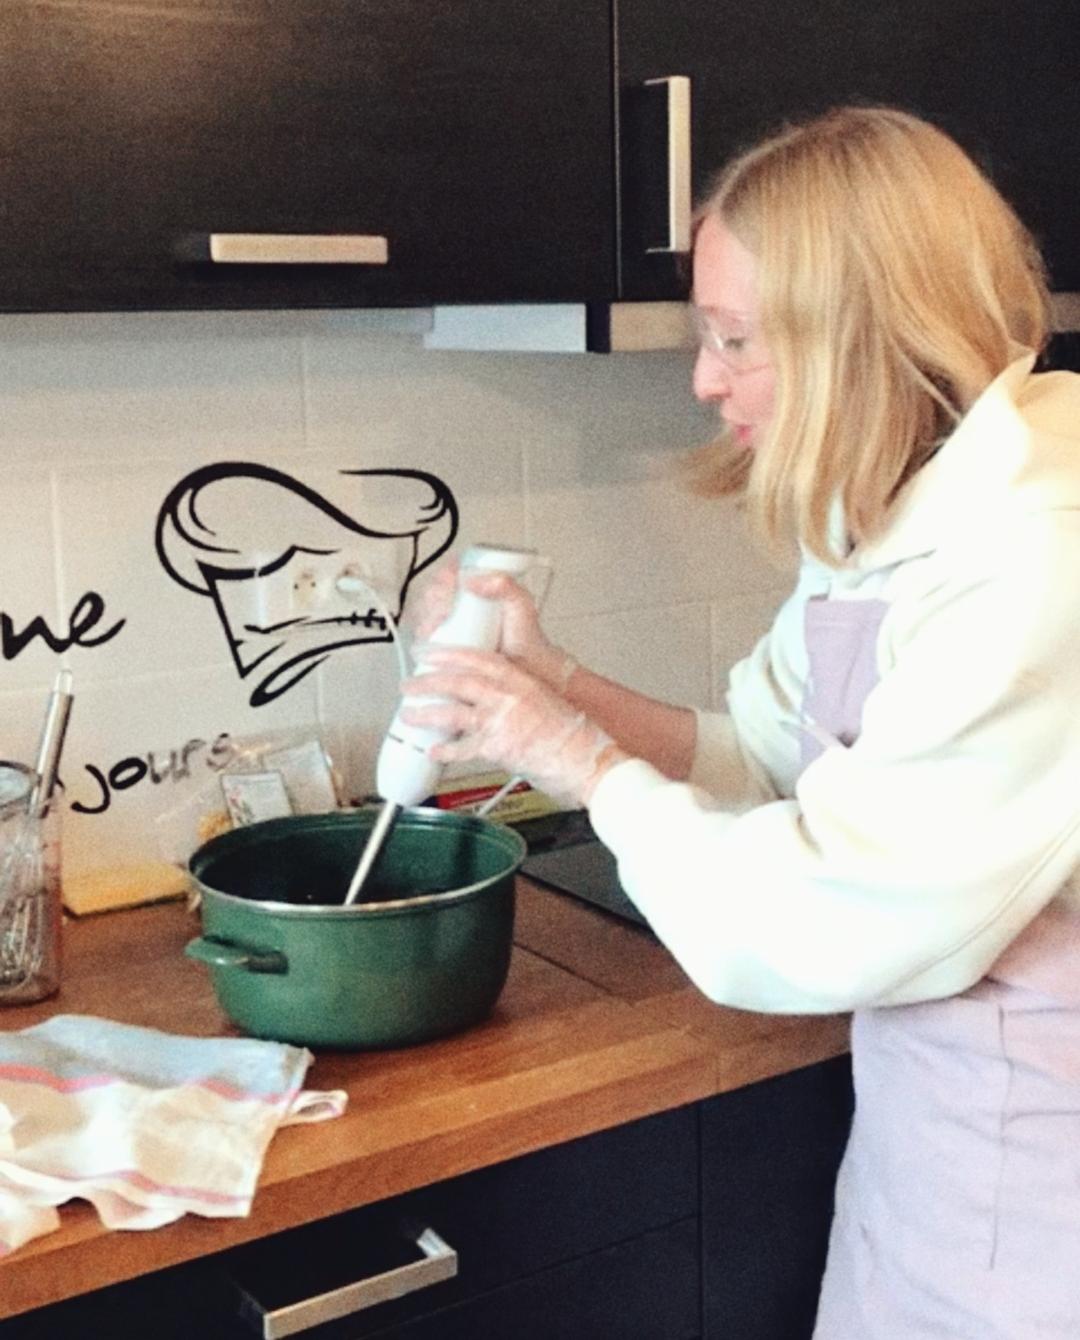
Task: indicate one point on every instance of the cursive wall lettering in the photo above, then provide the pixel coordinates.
(130, 771)
(86, 615)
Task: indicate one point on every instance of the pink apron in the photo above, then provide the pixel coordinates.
(958, 1200)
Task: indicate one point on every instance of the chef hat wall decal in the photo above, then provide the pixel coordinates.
(269, 550)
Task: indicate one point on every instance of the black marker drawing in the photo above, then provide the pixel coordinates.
(269, 551)
(173, 767)
(83, 619)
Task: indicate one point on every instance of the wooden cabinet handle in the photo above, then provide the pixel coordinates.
(286, 249)
(679, 164)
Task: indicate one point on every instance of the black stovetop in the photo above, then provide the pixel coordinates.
(571, 859)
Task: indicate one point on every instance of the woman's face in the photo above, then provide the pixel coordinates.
(733, 369)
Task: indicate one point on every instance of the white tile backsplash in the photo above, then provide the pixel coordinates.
(737, 623)
(124, 387)
(357, 698)
(28, 579)
(101, 416)
(105, 521)
(659, 651)
(21, 715)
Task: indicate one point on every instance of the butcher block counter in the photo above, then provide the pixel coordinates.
(597, 1028)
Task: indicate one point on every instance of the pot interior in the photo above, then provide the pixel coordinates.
(308, 860)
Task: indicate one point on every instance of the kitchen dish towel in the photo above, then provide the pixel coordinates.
(146, 1126)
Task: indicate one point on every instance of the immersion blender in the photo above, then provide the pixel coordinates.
(406, 774)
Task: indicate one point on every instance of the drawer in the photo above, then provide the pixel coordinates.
(165, 1306)
(513, 1221)
(648, 1289)
(610, 1218)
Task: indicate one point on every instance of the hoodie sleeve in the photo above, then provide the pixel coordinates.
(724, 769)
(903, 865)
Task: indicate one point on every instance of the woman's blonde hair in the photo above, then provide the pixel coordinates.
(895, 283)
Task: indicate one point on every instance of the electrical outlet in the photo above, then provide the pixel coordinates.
(308, 591)
(354, 582)
(358, 583)
(316, 585)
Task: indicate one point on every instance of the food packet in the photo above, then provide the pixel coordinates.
(259, 777)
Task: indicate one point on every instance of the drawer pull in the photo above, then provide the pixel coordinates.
(440, 1262)
(679, 189)
(295, 249)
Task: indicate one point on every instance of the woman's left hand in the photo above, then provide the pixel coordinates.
(495, 712)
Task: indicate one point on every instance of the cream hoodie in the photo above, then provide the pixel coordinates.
(897, 869)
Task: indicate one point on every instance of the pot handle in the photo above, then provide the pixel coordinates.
(226, 954)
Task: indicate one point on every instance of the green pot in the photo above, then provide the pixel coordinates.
(425, 954)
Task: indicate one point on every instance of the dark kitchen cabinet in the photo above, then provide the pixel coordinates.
(475, 138)
(769, 1158)
(708, 1221)
(481, 152)
(1002, 79)
(597, 1237)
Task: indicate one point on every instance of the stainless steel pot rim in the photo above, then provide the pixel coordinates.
(420, 816)
(359, 910)
(486, 829)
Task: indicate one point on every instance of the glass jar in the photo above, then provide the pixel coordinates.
(30, 911)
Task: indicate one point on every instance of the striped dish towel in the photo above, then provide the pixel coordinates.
(146, 1126)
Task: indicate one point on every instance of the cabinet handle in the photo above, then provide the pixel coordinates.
(292, 249)
(440, 1262)
(679, 186)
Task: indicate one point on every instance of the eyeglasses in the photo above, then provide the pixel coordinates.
(738, 353)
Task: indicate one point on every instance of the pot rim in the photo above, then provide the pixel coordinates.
(340, 911)
(420, 817)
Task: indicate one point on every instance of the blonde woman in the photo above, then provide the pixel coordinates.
(887, 819)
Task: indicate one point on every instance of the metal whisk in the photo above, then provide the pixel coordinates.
(26, 933)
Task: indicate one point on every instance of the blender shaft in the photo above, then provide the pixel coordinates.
(380, 832)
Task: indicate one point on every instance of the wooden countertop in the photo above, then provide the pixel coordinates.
(597, 1026)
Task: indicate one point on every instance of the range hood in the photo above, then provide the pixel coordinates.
(617, 327)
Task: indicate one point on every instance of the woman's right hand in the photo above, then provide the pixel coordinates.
(522, 638)
(490, 710)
